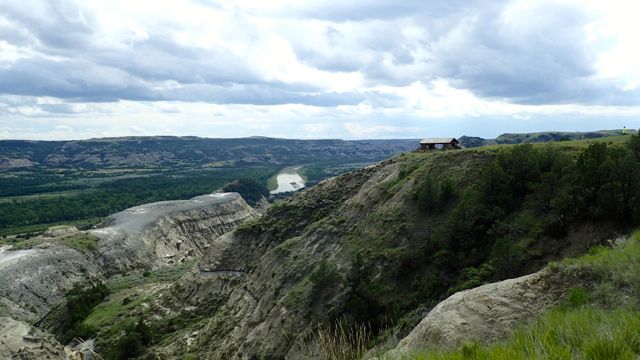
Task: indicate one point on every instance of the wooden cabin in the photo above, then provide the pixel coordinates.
(439, 144)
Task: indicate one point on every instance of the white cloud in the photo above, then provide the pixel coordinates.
(354, 68)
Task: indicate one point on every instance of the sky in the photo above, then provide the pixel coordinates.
(351, 69)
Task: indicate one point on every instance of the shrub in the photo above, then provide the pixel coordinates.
(134, 341)
(80, 302)
(431, 196)
(427, 196)
(250, 190)
(325, 275)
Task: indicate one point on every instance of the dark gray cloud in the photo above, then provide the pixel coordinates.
(75, 79)
(85, 81)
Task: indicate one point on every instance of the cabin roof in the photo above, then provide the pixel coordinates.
(438, 140)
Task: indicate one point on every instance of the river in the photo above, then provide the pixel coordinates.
(288, 180)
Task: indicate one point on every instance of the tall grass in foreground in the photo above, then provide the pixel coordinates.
(609, 328)
(617, 269)
(342, 342)
(584, 333)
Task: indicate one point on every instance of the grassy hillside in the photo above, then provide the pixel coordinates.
(188, 152)
(602, 322)
(547, 136)
(444, 222)
(557, 136)
(380, 246)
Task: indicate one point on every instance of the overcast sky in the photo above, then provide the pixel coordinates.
(316, 68)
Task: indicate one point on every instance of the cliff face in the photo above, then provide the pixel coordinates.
(35, 279)
(363, 247)
(167, 232)
(19, 340)
(252, 283)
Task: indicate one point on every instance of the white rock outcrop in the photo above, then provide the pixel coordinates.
(164, 232)
(18, 340)
(484, 314)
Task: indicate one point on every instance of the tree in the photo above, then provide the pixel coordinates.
(134, 341)
(634, 145)
(427, 196)
(593, 173)
(522, 165)
(625, 174)
(495, 186)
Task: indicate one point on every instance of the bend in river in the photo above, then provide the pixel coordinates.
(289, 180)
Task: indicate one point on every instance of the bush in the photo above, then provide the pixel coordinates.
(80, 302)
(134, 341)
(250, 190)
(431, 196)
(325, 275)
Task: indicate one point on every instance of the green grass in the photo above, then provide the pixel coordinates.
(163, 274)
(570, 333)
(115, 307)
(573, 145)
(603, 324)
(81, 242)
(617, 272)
(128, 293)
(37, 228)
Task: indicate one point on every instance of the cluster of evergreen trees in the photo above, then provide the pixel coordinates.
(530, 192)
(118, 195)
(527, 196)
(250, 190)
(80, 300)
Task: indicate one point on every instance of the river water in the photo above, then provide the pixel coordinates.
(288, 180)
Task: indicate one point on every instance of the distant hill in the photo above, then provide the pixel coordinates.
(510, 138)
(190, 151)
(43, 183)
(362, 256)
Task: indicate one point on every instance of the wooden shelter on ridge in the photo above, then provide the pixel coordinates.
(439, 144)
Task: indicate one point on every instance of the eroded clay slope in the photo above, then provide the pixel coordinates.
(166, 232)
(33, 280)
